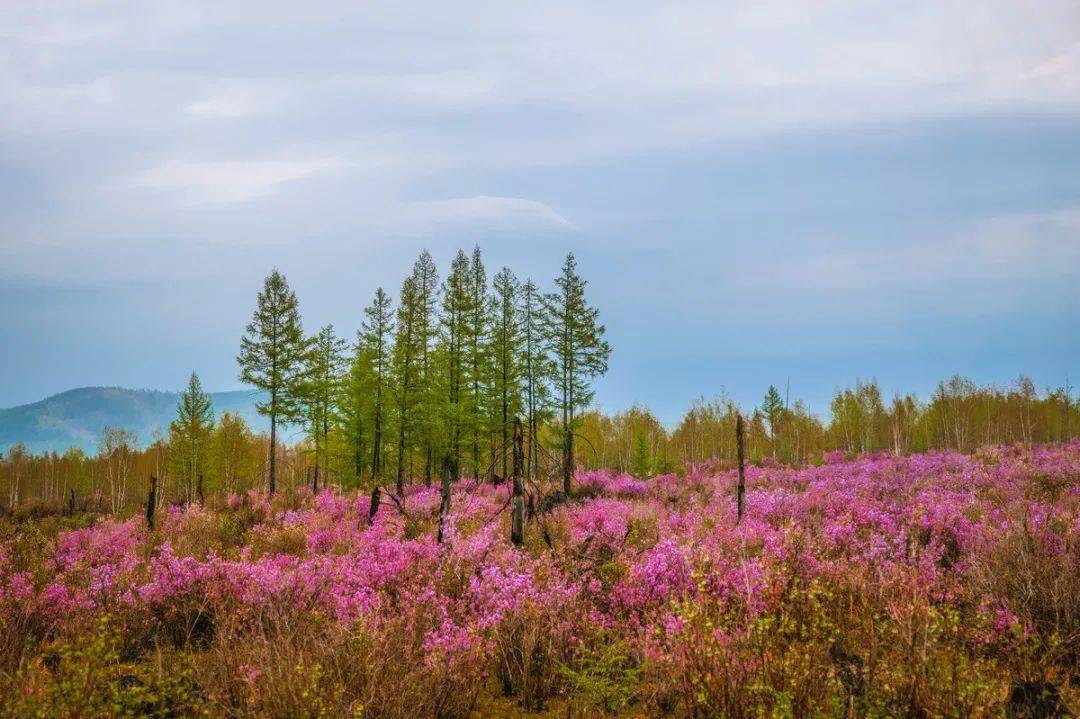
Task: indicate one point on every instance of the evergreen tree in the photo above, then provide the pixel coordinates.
(454, 331)
(271, 357)
(407, 369)
(477, 353)
(535, 367)
(576, 343)
(426, 278)
(641, 460)
(772, 406)
(506, 355)
(324, 364)
(369, 384)
(190, 434)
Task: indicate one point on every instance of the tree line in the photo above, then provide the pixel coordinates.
(433, 382)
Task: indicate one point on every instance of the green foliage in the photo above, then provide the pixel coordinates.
(190, 435)
(89, 677)
(271, 357)
(604, 674)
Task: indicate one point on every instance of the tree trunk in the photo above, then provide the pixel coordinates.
(151, 503)
(742, 469)
(568, 459)
(517, 518)
(373, 508)
(199, 490)
(273, 447)
(444, 505)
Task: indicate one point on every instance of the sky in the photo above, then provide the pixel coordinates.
(788, 193)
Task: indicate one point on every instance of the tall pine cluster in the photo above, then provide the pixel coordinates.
(434, 381)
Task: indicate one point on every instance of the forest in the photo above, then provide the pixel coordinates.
(432, 383)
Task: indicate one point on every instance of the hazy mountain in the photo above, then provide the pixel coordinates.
(77, 416)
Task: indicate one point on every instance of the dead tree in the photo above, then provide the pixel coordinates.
(71, 503)
(151, 503)
(199, 491)
(376, 497)
(517, 517)
(444, 506)
(739, 444)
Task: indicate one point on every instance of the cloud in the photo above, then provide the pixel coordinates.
(228, 182)
(234, 102)
(1008, 248)
(482, 211)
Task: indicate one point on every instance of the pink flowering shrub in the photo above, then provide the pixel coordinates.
(885, 584)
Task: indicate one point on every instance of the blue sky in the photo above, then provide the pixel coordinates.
(755, 191)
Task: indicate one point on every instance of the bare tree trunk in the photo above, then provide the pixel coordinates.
(444, 506)
(568, 460)
(742, 468)
(373, 508)
(151, 503)
(273, 447)
(517, 517)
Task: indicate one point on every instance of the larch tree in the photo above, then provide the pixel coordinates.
(575, 340)
(426, 279)
(535, 368)
(369, 379)
(506, 356)
(772, 406)
(477, 359)
(272, 358)
(407, 369)
(454, 330)
(190, 435)
(324, 364)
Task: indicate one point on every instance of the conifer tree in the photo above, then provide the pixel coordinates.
(369, 379)
(535, 367)
(407, 369)
(477, 352)
(454, 331)
(271, 357)
(321, 388)
(190, 434)
(506, 355)
(576, 343)
(426, 278)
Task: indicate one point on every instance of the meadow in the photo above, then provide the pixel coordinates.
(935, 585)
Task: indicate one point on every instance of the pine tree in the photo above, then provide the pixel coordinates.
(641, 460)
(190, 434)
(407, 369)
(321, 388)
(576, 343)
(271, 357)
(426, 278)
(477, 353)
(506, 355)
(369, 384)
(535, 367)
(772, 406)
(454, 330)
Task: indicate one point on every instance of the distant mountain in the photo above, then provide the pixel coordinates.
(77, 416)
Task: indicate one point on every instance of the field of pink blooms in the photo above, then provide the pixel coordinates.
(938, 585)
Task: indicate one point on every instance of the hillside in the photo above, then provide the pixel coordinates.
(77, 416)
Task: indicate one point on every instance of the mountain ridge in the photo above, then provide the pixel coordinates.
(75, 417)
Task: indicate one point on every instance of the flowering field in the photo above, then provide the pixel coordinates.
(938, 585)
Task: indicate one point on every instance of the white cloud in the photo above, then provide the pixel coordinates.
(481, 211)
(229, 182)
